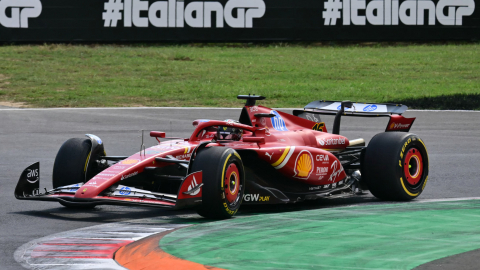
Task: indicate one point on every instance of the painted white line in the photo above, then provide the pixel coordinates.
(447, 199)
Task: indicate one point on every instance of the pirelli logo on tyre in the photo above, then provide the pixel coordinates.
(404, 147)
(228, 209)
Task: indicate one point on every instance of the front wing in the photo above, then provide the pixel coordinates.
(189, 194)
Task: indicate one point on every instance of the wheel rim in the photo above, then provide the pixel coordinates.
(413, 166)
(232, 183)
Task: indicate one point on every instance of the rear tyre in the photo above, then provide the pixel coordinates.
(395, 166)
(71, 164)
(223, 182)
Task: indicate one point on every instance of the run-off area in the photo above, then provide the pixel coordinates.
(380, 236)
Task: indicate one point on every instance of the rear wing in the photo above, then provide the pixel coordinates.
(346, 108)
(357, 109)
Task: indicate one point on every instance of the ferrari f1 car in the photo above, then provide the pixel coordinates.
(266, 157)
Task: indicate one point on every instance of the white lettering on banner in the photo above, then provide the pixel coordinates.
(391, 12)
(173, 13)
(20, 12)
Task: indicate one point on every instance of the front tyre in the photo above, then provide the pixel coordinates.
(71, 164)
(223, 182)
(395, 166)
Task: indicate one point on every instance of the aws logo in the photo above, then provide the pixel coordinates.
(303, 165)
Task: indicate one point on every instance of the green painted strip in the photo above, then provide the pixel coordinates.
(393, 236)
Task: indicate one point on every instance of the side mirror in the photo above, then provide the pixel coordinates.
(157, 134)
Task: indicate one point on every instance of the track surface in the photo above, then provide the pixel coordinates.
(26, 136)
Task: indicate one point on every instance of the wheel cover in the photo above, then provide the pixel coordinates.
(413, 166)
(232, 183)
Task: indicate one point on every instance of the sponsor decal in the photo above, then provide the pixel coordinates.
(319, 126)
(125, 191)
(336, 170)
(394, 12)
(100, 178)
(334, 185)
(91, 183)
(322, 171)
(312, 117)
(129, 161)
(33, 176)
(326, 186)
(74, 188)
(277, 121)
(331, 141)
(84, 190)
(228, 209)
(404, 146)
(16, 13)
(184, 156)
(254, 109)
(304, 165)
(370, 108)
(255, 198)
(106, 174)
(269, 155)
(322, 158)
(175, 14)
(193, 188)
(399, 126)
(128, 175)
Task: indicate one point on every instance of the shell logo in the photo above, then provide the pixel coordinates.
(129, 161)
(304, 164)
(392, 125)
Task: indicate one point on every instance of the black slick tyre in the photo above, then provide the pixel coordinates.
(71, 163)
(223, 182)
(395, 166)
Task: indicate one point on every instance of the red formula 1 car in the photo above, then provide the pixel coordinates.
(266, 157)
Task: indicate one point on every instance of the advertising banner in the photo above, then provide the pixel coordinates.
(237, 20)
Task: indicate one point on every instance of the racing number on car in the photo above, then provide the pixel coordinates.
(319, 126)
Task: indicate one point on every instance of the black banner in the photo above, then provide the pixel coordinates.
(238, 20)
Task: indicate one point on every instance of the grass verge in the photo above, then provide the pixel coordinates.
(288, 75)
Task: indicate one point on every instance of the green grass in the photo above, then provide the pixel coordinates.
(187, 75)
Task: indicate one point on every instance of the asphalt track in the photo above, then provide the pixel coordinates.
(29, 135)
